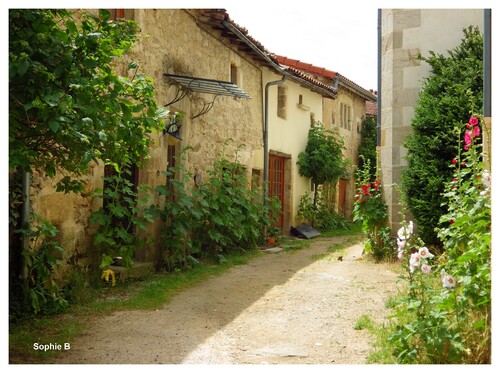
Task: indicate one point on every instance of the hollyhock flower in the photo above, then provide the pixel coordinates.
(473, 121)
(415, 261)
(448, 282)
(486, 179)
(467, 139)
(424, 253)
(476, 131)
(454, 161)
(425, 268)
(401, 243)
(405, 231)
(365, 189)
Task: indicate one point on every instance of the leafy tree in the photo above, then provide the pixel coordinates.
(67, 108)
(67, 105)
(367, 149)
(450, 94)
(322, 161)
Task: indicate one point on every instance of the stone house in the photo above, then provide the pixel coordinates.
(210, 70)
(403, 35)
(345, 114)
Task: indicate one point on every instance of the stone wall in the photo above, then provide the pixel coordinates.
(171, 41)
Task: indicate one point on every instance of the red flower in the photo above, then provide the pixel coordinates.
(473, 121)
(452, 221)
(454, 161)
(365, 189)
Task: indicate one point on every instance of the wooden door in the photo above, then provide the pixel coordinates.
(277, 182)
(342, 196)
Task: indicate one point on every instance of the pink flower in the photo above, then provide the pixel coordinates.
(476, 131)
(424, 253)
(448, 281)
(467, 138)
(473, 121)
(426, 269)
(414, 261)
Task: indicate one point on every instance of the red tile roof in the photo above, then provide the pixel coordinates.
(323, 72)
(306, 66)
(371, 108)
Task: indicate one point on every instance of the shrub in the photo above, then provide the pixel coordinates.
(367, 147)
(210, 220)
(41, 294)
(320, 216)
(322, 160)
(444, 103)
(371, 209)
(122, 214)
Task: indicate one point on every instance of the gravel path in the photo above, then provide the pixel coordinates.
(281, 308)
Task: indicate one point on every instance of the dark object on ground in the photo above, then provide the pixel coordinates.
(304, 231)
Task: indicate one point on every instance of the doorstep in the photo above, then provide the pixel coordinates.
(138, 270)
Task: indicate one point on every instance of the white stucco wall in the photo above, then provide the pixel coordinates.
(289, 136)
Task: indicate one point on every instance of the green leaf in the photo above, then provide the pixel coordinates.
(22, 67)
(54, 125)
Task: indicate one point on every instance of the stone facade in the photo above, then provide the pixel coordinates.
(346, 114)
(405, 34)
(172, 41)
(196, 43)
(175, 42)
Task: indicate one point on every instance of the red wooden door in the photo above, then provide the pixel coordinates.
(342, 196)
(277, 182)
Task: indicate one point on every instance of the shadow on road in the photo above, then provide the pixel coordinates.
(169, 334)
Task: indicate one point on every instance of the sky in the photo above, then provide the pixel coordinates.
(344, 42)
(339, 35)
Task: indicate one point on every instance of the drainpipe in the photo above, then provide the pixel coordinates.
(265, 136)
(487, 88)
(24, 221)
(379, 75)
(336, 82)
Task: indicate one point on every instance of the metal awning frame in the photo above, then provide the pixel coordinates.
(188, 84)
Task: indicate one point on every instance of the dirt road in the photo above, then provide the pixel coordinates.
(281, 308)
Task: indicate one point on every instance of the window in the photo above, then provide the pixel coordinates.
(349, 121)
(117, 13)
(282, 102)
(345, 116)
(313, 120)
(300, 100)
(234, 74)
